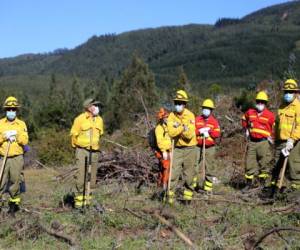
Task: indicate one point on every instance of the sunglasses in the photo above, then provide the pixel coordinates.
(260, 102)
(179, 102)
(10, 109)
(289, 91)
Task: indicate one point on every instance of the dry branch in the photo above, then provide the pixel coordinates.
(70, 240)
(181, 235)
(273, 230)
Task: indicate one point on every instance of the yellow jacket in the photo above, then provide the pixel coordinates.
(162, 137)
(288, 121)
(181, 128)
(85, 129)
(16, 148)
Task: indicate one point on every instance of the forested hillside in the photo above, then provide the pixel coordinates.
(257, 46)
(230, 55)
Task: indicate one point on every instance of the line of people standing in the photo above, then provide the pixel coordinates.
(195, 139)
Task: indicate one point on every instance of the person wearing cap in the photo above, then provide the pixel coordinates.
(258, 124)
(164, 145)
(181, 128)
(13, 138)
(86, 132)
(288, 134)
(207, 131)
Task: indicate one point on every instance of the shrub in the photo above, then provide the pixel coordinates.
(53, 147)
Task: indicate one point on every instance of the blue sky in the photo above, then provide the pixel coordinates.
(37, 26)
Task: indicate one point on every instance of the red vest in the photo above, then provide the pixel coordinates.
(260, 126)
(214, 131)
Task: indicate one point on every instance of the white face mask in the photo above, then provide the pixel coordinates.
(179, 108)
(95, 111)
(206, 112)
(260, 107)
(11, 115)
(288, 97)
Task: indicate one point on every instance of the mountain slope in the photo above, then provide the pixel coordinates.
(258, 46)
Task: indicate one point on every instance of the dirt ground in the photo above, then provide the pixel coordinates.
(122, 217)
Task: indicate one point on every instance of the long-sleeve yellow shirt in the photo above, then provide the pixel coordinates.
(288, 121)
(162, 137)
(86, 131)
(181, 128)
(16, 147)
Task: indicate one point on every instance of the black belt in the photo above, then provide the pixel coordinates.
(93, 150)
(258, 139)
(185, 147)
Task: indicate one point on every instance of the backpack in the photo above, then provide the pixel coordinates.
(152, 140)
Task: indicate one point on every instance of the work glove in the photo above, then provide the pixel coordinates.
(270, 140)
(10, 135)
(165, 155)
(289, 144)
(247, 133)
(204, 131)
(185, 128)
(176, 124)
(26, 148)
(285, 152)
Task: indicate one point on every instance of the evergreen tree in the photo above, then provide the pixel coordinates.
(136, 86)
(183, 82)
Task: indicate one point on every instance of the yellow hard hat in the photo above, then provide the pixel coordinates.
(290, 84)
(181, 95)
(11, 102)
(208, 103)
(262, 96)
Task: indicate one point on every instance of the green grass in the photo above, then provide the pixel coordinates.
(210, 225)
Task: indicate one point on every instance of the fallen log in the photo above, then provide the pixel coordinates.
(180, 234)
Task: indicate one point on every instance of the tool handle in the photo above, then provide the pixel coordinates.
(171, 165)
(203, 159)
(84, 181)
(4, 161)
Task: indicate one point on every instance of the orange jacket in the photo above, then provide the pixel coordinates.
(214, 131)
(260, 125)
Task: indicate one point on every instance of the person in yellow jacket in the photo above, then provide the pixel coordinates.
(164, 145)
(13, 137)
(181, 128)
(86, 132)
(287, 129)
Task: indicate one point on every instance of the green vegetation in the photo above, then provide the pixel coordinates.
(125, 70)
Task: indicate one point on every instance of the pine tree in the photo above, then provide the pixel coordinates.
(137, 83)
(183, 82)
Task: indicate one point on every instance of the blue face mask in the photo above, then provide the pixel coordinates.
(179, 108)
(288, 97)
(206, 112)
(11, 115)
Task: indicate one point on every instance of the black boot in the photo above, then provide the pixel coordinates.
(249, 185)
(13, 208)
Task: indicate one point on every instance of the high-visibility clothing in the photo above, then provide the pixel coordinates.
(16, 147)
(81, 200)
(293, 168)
(288, 121)
(16, 200)
(162, 137)
(12, 178)
(260, 125)
(181, 128)
(86, 131)
(214, 132)
(80, 155)
(164, 167)
(259, 159)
